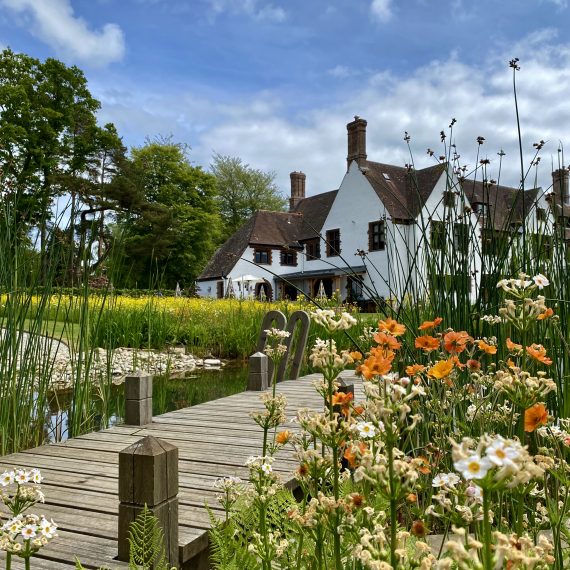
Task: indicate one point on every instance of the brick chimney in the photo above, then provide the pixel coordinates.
(560, 186)
(356, 141)
(297, 189)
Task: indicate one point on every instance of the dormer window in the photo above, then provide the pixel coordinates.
(480, 208)
(386, 176)
(541, 214)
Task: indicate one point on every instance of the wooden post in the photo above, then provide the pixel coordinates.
(258, 378)
(148, 475)
(138, 400)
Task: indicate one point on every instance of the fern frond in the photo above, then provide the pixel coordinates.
(146, 543)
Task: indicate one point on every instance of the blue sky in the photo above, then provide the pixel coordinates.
(275, 81)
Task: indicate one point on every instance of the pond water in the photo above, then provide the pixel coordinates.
(169, 393)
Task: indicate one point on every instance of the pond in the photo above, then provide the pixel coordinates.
(169, 393)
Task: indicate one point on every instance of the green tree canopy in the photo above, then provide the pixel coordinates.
(173, 233)
(242, 190)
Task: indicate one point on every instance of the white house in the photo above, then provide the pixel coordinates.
(369, 238)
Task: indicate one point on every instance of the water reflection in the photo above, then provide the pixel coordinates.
(169, 393)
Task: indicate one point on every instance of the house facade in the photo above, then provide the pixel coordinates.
(384, 233)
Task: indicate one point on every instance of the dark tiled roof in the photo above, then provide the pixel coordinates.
(403, 192)
(314, 210)
(505, 204)
(275, 229)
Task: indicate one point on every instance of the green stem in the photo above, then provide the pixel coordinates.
(8, 560)
(487, 555)
(393, 507)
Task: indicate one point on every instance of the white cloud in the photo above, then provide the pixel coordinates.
(261, 130)
(54, 22)
(256, 9)
(341, 71)
(560, 4)
(381, 9)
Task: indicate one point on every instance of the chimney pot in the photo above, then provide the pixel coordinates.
(561, 187)
(356, 142)
(297, 189)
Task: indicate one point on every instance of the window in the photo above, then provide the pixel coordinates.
(288, 258)
(449, 199)
(461, 238)
(438, 237)
(262, 256)
(541, 214)
(376, 236)
(494, 242)
(313, 248)
(480, 208)
(333, 243)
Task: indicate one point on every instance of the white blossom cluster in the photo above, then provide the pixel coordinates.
(523, 282)
(26, 531)
(331, 321)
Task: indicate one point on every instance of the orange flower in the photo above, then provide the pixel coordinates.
(358, 410)
(342, 399)
(546, 315)
(414, 369)
(512, 346)
(487, 348)
(441, 369)
(283, 437)
(535, 416)
(457, 362)
(456, 341)
(473, 365)
(426, 325)
(376, 364)
(392, 327)
(427, 343)
(353, 453)
(412, 498)
(387, 341)
(538, 352)
(355, 355)
(512, 365)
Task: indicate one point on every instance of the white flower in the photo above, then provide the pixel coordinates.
(366, 429)
(266, 468)
(473, 467)
(541, 281)
(445, 480)
(36, 476)
(502, 453)
(22, 476)
(7, 478)
(29, 531)
(47, 528)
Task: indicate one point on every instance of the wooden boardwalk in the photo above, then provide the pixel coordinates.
(81, 475)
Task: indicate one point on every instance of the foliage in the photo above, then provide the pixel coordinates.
(450, 436)
(242, 190)
(173, 232)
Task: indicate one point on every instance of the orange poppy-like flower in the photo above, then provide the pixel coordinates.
(342, 399)
(535, 416)
(392, 327)
(412, 498)
(387, 341)
(546, 315)
(487, 348)
(283, 437)
(353, 452)
(512, 365)
(427, 343)
(538, 352)
(473, 365)
(456, 341)
(513, 346)
(441, 369)
(414, 369)
(358, 410)
(355, 355)
(457, 362)
(376, 364)
(356, 499)
(426, 325)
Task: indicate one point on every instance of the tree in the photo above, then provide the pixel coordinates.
(242, 190)
(174, 231)
(45, 111)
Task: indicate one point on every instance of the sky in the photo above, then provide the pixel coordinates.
(276, 81)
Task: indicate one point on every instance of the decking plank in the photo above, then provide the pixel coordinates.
(214, 440)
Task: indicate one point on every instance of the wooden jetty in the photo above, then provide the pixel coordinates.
(214, 440)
